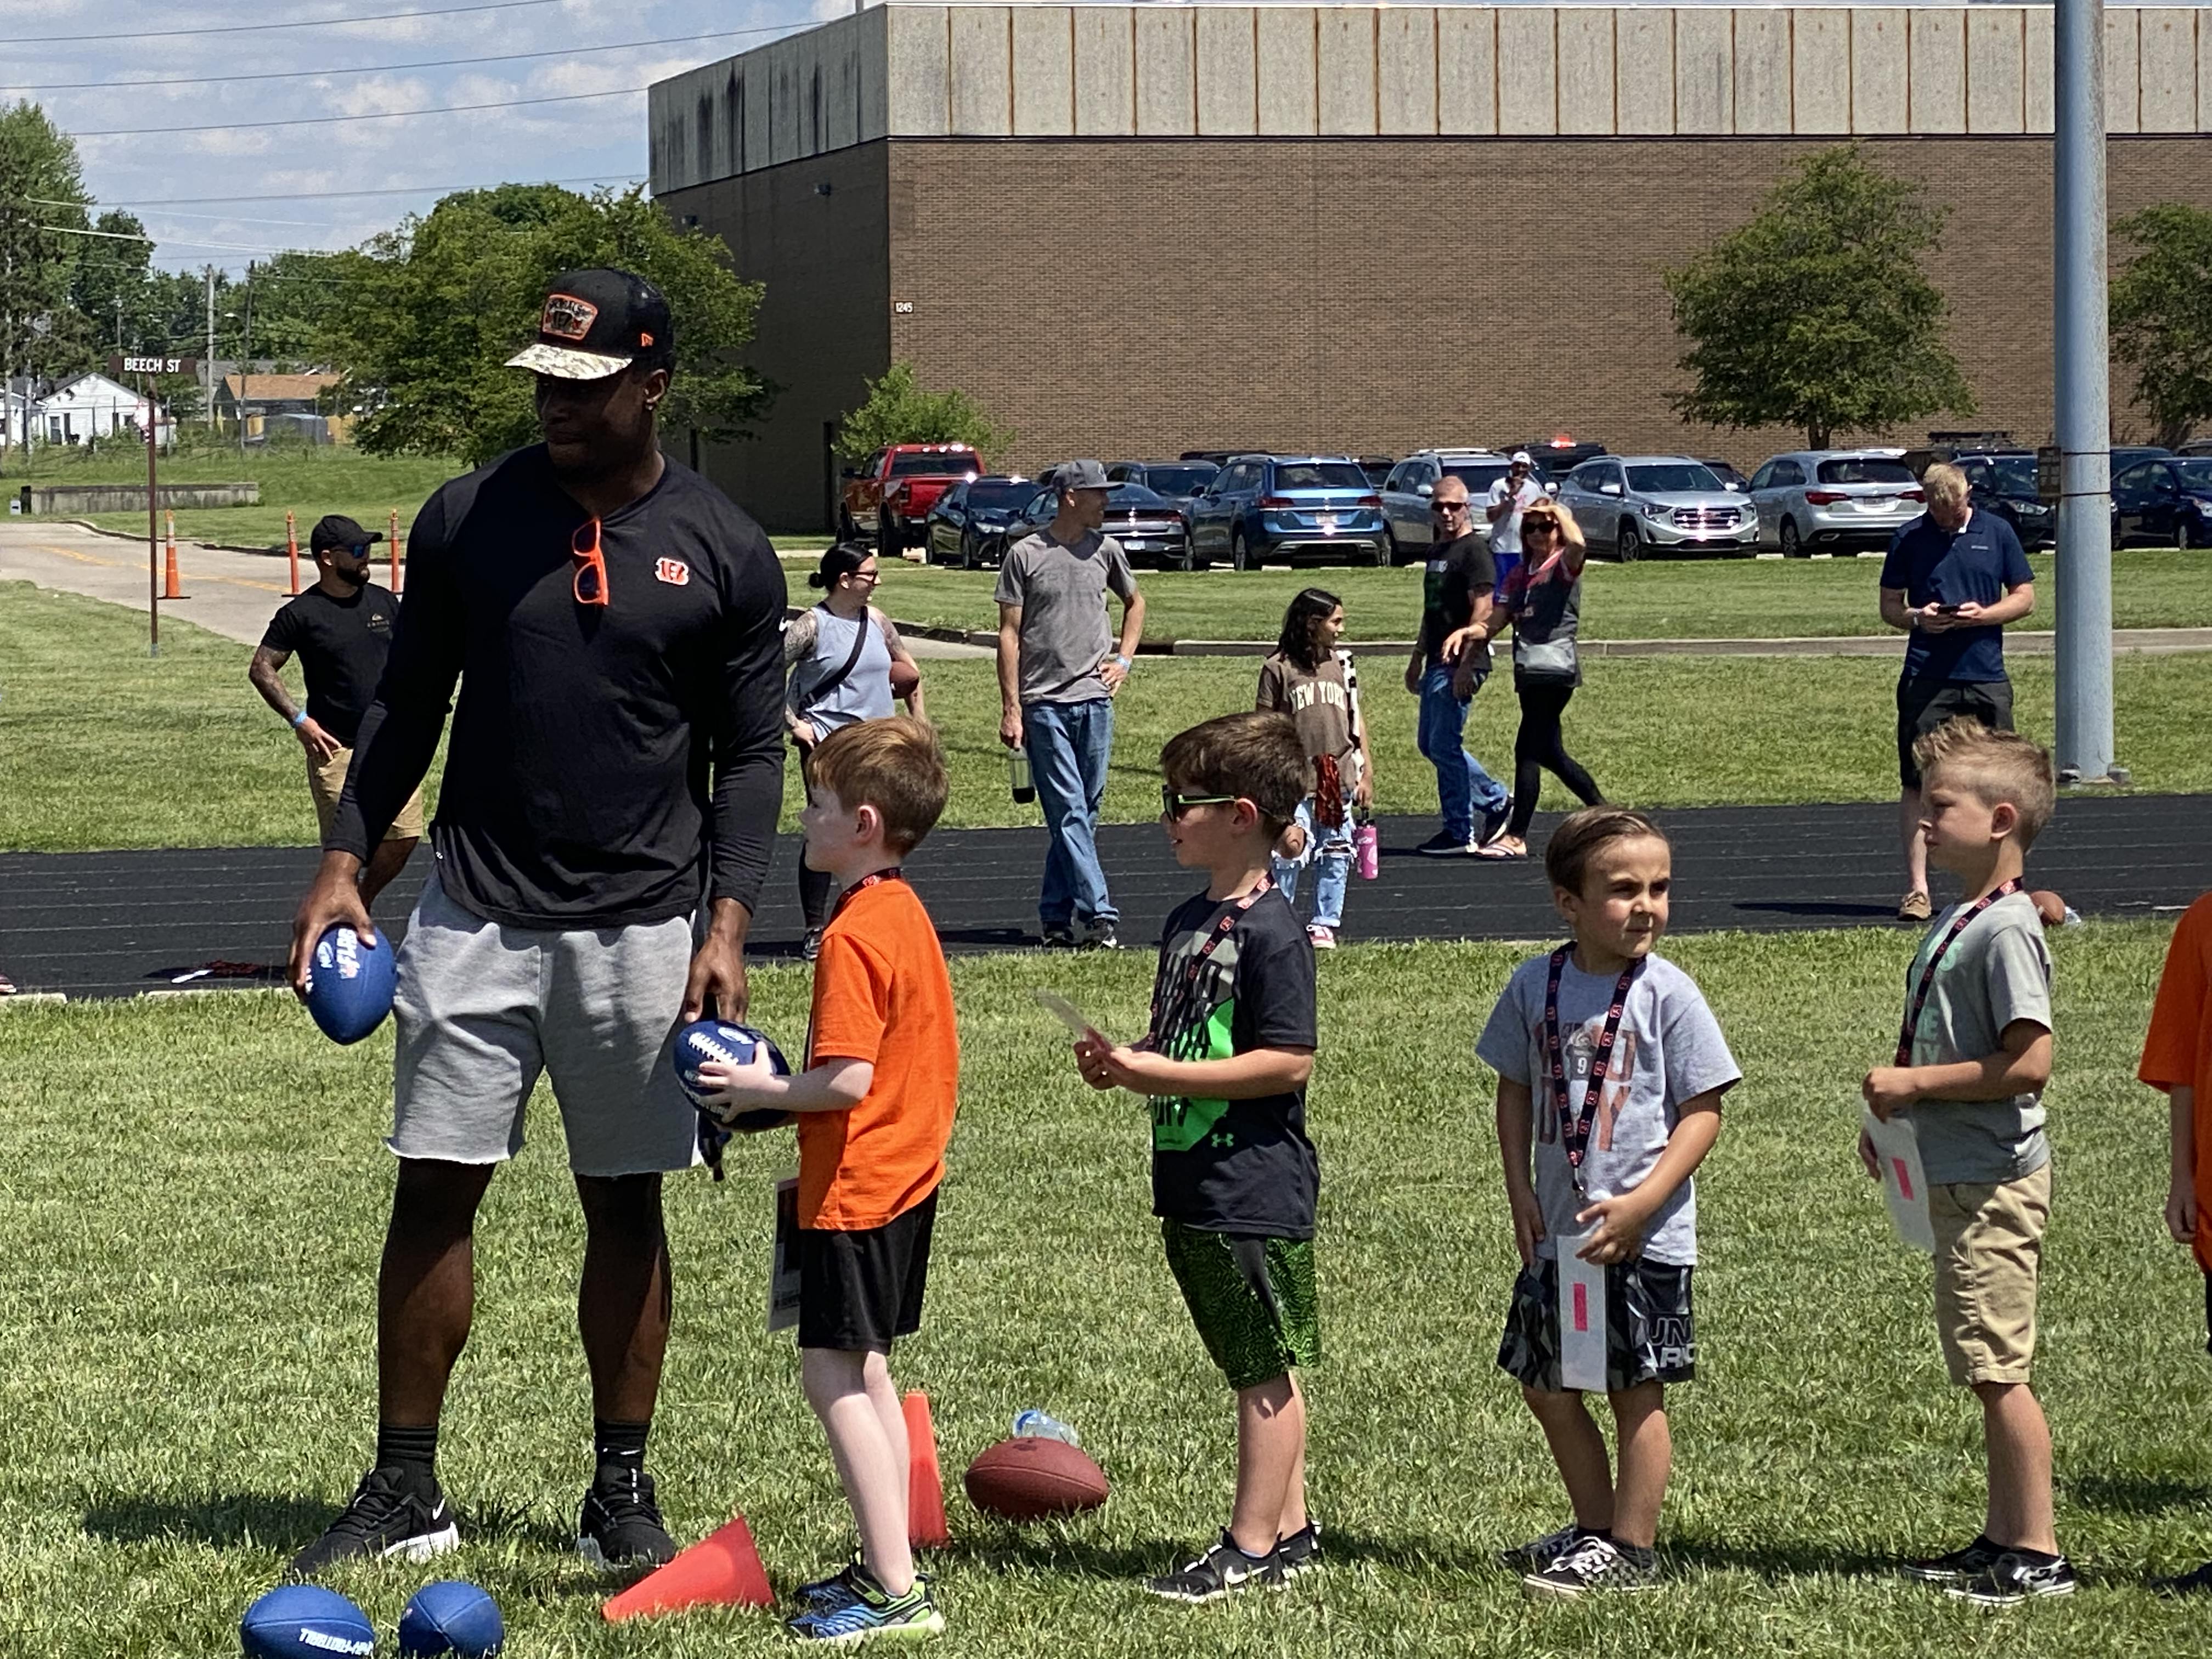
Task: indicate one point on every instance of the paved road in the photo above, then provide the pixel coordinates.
(108, 924)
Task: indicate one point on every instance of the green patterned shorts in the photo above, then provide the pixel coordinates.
(1254, 1300)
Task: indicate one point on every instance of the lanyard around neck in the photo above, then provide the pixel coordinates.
(1964, 919)
(1575, 1127)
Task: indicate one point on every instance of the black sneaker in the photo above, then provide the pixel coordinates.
(1539, 1553)
(1100, 936)
(2188, 1583)
(620, 1525)
(1594, 1563)
(1955, 1568)
(1442, 846)
(2012, 1578)
(1058, 939)
(390, 1516)
(1222, 1571)
(1299, 1552)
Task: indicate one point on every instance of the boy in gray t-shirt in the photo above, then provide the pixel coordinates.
(1973, 1056)
(1610, 1073)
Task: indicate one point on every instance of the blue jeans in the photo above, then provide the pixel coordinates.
(1328, 849)
(1068, 744)
(1462, 784)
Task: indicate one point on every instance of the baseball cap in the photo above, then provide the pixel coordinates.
(596, 322)
(1522, 457)
(1080, 475)
(336, 530)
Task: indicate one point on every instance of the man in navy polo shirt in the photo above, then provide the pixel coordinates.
(1953, 580)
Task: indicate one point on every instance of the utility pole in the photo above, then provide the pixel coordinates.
(2081, 388)
(245, 358)
(207, 380)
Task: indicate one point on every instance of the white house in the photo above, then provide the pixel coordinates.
(90, 406)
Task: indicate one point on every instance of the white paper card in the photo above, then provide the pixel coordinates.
(1067, 1014)
(783, 1264)
(1903, 1182)
(1582, 1316)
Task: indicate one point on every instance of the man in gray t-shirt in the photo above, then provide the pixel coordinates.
(1058, 668)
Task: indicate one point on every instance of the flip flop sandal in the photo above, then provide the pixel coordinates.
(1495, 851)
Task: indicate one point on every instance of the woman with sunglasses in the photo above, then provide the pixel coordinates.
(1543, 599)
(847, 664)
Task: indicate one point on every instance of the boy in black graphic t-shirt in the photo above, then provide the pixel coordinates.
(1234, 1177)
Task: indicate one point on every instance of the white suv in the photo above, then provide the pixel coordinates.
(1405, 495)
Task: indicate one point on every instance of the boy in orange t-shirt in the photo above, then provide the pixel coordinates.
(2176, 1057)
(875, 1111)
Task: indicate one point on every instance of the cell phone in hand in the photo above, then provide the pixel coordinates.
(1945, 610)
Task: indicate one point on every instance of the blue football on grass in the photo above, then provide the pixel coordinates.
(452, 1616)
(720, 1039)
(349, 984)
(305, 1621)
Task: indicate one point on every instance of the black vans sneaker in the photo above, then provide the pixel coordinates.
(1539, 1553)
(1593, 1563)
(1299, 1552)
(2013, 1578)
(620, 1525)
(1220, 1571)
(1955, 1568)
(389, 1515)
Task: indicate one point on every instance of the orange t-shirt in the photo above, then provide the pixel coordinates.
(2178, 1052)
(881, 994)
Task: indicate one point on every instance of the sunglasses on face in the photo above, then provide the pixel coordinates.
(1174, 805)
(591, 580)
(1539, 526)
(871, 577)
(1448, 507)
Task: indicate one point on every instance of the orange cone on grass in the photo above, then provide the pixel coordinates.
(924, 1493)
(172, 588)
(722, 1569)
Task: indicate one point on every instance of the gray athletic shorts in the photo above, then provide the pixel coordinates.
(482, 1009)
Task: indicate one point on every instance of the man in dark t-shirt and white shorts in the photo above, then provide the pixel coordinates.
(613, 625)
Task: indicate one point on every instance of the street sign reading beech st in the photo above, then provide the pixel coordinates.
(153, 365)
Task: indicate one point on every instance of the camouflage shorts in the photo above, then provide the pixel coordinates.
(1254, 1300)
(1650, 1336)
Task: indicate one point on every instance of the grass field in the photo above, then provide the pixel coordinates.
(101, 747)
(190, 1236)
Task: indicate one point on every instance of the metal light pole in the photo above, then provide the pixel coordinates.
(2082, 388)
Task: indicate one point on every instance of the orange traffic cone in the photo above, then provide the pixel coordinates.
(722, 1569)
(171, 585)
(925, 1492)
(292, 549)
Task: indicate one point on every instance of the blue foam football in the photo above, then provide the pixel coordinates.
(349, 984)
(305, 1621)
(452, 1616)
(720, 1039)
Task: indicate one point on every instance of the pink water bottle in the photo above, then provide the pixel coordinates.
(1367, 850)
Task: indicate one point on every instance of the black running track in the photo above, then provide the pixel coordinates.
(109, 924)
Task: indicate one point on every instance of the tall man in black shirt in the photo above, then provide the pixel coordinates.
(341, 630)
(1450, 661)
(613, 623)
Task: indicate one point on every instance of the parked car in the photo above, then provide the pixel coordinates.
(1632, 504)
(1729, 477)
(2164, 502)
(1376, 467)
(888, 499)
(2004, 486)
(1151, 528)
(2126, 455)
(1834, 500)
(2195, 447)
(1407, 491)
(1177, 480)
(972, 515)
(1317, 508)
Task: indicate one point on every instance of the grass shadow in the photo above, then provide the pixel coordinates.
(288, 1522)
(1005, 1549)
(2135, 1494)
(1773, 1562)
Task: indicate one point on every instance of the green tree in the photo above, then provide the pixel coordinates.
(42, 199)
(1818, 313)
(2162, 315)
(430, 312)
(897, 410)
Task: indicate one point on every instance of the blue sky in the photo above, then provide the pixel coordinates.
(280, 178)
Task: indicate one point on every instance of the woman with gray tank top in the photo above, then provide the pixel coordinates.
(847, 664)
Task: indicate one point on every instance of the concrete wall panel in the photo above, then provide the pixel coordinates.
(759, 90)
(1167, 91)
(1344, 62)
(1762, 70)
(981, 88)
(2121, 72)
(844, 90)
(1105, 72)
(917, 49)
(1227, 91)
(1644, 69)
(1880, 69)
(1938, 71)
(1996, 70)
(1467, 70)
(1044, 71)
(1820, 70)
(872, 68)
(2167, 48)
(1406, 56)
(1527, 69)
(1704, 70)
(1285, 69)
(1586, 73)
(2039, 68)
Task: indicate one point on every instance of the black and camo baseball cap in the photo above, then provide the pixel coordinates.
(596, 322)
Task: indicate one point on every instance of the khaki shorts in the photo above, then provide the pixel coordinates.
(327, 778)
(1988, 1247)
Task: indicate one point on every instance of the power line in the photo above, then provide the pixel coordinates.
(377, 115)
(336, 195)
(383, 69)
(306, 23)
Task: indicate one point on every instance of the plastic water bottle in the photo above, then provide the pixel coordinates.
(1017, 776)
(1034, 1425)
(1367, 850)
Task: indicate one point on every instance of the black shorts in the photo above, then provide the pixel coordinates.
(858, 1291)
(1924, 704)
(1650, 1333)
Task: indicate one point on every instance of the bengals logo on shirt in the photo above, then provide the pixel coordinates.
(674, 572)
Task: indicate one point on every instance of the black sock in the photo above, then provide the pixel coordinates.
(1635, 1554)
(414, 1451)
(620, 1444)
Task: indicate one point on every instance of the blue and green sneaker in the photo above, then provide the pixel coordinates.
(869, 1613)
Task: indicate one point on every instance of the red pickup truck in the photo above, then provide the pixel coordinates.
(886, 500)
